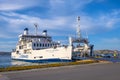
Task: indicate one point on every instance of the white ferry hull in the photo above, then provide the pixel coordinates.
(45, 55)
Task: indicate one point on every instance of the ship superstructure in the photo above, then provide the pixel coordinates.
(37, 48)
(81, 46)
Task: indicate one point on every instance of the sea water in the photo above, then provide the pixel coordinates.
(6, 61)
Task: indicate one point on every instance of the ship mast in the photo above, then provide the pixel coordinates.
(78, 28)
(36, 28)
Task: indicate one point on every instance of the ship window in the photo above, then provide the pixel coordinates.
(40, 44)
(20, 47)
(41, 57)
(22, 38)
(48, 45)
(52, 44)
(45, 45)
(34, 44)
(37, 44)
(17, 52)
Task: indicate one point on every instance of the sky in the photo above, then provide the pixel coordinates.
(99, 21)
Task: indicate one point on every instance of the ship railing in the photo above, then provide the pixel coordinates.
(13, 50)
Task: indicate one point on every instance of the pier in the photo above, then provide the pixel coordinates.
(96, 71)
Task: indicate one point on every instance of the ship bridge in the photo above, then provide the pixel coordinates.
(36, 42)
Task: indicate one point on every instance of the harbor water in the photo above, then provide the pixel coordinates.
(6, 61)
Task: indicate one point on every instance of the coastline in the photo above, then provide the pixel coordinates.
(5, 53)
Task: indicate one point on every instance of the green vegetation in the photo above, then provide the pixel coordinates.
(17, 68)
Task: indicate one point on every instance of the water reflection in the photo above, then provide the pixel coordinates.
(6, 61)
(21, 63)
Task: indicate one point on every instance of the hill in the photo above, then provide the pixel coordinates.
(106, 51)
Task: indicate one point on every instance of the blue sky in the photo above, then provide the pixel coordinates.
(99, 18)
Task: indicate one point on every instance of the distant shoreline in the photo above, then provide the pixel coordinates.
(5, 53)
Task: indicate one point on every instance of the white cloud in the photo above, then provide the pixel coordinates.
(112, 43)
(104, 21)
(6, 35)
(7, 42)
(8, 5)
(69, 3)
(60, 17)
(67, 6)
(110, 23)
(7, 45)
(110, 19)
(17, 22)
(30, 20)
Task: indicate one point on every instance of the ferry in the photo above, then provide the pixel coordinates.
(41, 48)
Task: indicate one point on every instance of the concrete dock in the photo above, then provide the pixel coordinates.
(99, 71)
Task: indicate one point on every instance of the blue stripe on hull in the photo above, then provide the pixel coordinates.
(45, 60)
